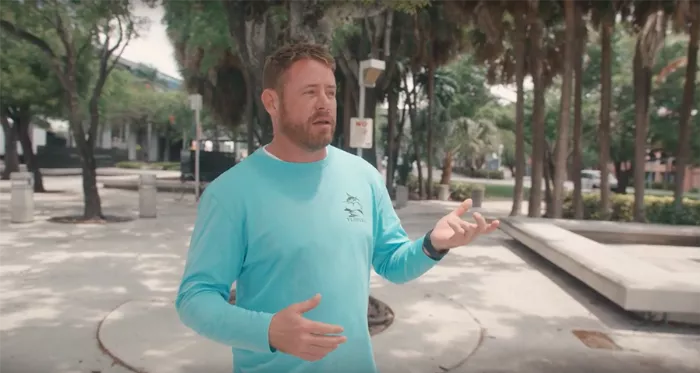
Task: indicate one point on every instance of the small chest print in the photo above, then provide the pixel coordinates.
(353, 209)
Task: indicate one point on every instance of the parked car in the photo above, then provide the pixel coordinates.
(590, 179)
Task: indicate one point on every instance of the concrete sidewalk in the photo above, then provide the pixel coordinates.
(58, 282)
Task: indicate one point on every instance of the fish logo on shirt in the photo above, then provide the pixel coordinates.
(353, 208)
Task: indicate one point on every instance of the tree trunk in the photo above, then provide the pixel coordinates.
(392, 118)
(348, 108)
(578, 116)
(519, 114)
(92, 209)
(398, 137)
(419, 166)
(11, 156)
(538, 133)
(447, 168)
(684, 136)
(549, 169)
(429, 141)
(22, 125)
(642, 76)
(605, 105)
(562, 144)
(249, 114)
(623, 177)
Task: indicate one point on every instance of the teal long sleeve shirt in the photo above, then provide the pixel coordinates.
(284, 232)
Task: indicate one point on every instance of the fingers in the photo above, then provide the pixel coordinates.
(315, 327)
(457, 226)
(307, 305)
(316, 347)
(493, 226)
(470, 230)
(314, 353)
(480, 222)
(327, 341)
(463, 207)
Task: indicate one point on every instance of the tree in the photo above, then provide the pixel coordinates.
(73, 36)
(561, 149)
(684, 133)
(28, 89)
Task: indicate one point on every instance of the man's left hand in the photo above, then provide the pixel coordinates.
(452, 231)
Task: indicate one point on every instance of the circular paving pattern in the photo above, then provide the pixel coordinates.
(379, 314)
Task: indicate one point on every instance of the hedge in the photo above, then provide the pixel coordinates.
(658, 209)
(459, 191)
(169, 166)
(479, 174)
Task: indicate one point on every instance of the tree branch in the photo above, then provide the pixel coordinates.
(28, 37)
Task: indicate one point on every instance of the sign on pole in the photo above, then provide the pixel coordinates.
(195, 102)
(361, 133)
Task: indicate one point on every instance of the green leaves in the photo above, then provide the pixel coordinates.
(26, 77)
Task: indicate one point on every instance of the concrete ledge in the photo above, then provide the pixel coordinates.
(429, 334)
(628, 233)
(174, 186)
(630, 282)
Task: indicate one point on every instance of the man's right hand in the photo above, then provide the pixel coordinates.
(295, 335)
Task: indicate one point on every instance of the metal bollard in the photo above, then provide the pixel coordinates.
(401, 196)
(23, 168)
(22, 197)
(477, 196)
(147, 196)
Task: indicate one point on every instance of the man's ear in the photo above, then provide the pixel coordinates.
(270, 100)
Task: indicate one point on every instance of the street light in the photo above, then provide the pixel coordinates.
(196, 105)
(361, 129)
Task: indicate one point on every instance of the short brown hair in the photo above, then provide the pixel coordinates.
(279, 62)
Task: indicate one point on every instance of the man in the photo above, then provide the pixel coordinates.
(298, 226)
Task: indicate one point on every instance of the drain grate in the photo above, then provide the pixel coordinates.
(597, 340)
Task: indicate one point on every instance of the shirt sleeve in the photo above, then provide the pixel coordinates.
(214, 262)
(396, 257)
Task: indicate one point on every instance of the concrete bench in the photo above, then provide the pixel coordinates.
(632, 283)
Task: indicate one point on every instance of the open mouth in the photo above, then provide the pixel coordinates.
(322, 122)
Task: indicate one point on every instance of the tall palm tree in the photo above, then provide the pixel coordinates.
(561, 149)
(650, 21)
(689, 14)
(604, 17)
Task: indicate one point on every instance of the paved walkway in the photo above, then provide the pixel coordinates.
(59, 282)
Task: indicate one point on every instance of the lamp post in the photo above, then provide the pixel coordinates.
(361, 129)
(196, 106)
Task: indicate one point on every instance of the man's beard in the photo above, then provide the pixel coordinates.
(304, 135)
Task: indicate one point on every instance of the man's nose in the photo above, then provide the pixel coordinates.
(323, 102)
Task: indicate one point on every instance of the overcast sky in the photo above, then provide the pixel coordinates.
(153, 47)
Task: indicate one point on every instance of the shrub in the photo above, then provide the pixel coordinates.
(658, 209)
(479, 174)
(459, 191)
(168, 166)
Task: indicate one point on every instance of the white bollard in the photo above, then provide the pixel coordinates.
(147, 196)
(22, 197)
(401, 196)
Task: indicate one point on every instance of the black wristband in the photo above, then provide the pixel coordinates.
(430, 249)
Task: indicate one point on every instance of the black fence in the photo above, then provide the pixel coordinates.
(211, 164)
(61, 157)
